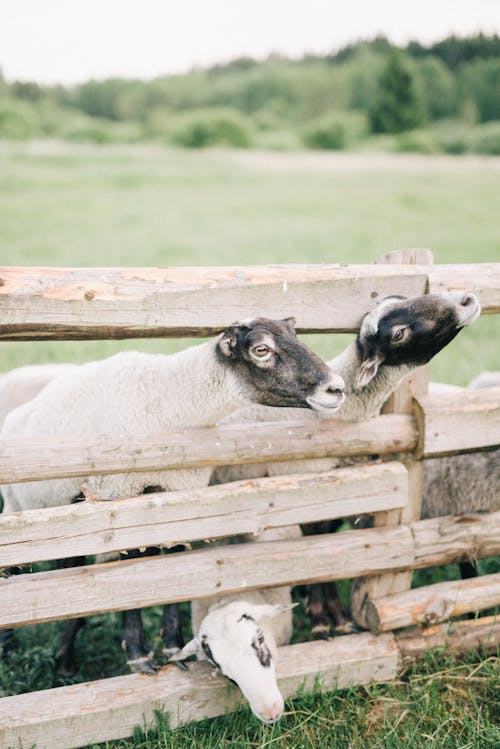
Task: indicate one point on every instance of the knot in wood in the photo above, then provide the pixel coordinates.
(89, 295)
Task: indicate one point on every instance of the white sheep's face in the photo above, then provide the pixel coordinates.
(235, 639)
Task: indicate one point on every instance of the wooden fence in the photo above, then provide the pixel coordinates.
(62, 304)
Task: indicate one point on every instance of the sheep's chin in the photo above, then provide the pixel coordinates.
(326, 408)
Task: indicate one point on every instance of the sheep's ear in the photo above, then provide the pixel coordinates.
(228, 340)
(367, 371)
(269, 611)
(192, 647)
(290, 320)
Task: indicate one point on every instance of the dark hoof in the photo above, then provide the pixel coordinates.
(146, 664)
(170, 652)
(320, 631)
(347, 628)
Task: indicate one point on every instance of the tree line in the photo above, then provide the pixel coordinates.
(370, 87)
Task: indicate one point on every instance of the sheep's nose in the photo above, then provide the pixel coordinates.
(336, 385)
(467, 300)
(273, 714)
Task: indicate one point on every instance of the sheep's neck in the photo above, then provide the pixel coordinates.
(362, 404)
(206, 389)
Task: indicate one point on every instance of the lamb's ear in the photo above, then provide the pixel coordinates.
(269, 610)
(367, 371)
(228, 340)
(192, 647)
(290, 320)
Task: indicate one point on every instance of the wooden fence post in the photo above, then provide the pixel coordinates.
(364, 589)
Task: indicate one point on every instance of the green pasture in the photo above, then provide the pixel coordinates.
(145, 205)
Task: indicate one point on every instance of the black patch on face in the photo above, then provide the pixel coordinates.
(208, 652)
(248, 618)
(262, 651)
(432, 325)
(295, 373)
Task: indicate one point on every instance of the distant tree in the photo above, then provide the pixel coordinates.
(455, 52)
(480, 86)
(439, 88)
(399, 106)
(28, 90)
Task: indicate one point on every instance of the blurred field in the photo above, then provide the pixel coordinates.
(145, 205)
(62, 204)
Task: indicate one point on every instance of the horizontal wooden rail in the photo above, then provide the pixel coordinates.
(37, 459)
(458, 422)
(433, 603)
(481, 634)
(169, 518)
(74, 303)
(45, 596)
(455, 538)
(83, 714)
(67, 717)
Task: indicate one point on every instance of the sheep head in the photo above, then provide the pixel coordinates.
(411, 331)
(237, 639)
(276, 369)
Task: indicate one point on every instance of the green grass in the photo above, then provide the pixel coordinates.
(69, 205)
(441, 704)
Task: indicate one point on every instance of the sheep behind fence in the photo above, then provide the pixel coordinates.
(133, 302)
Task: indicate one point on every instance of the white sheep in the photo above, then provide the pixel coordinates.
(463, 483)
(239, 634)
(397, 336)
(20, 385)
(255, 361)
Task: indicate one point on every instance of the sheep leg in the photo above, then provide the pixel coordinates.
(65, 655)
(6, 641)
(320, 627)
(7, 635)
(171, 632)
(343, 624)
(140, 657)
(468, 570)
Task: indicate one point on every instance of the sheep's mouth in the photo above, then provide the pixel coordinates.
(330, 407)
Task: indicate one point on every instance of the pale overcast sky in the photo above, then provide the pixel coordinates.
(72, 40)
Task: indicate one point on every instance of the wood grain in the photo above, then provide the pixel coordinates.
(25, 459)
(82, 714)
(169, 518)
(433, 603)
(76, 303)
(458, 422)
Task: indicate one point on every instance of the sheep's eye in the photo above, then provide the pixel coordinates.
(260, 639)
(261, 350)
(398, 334)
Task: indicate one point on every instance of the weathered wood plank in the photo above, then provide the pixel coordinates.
(433, 603)
(170, 518)
(69, 717)
(481, 278)
(74, 303)
(23, 459)
(28, 598)
(45, 596)
(456, 422)
(481, 634)
(456, 538)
